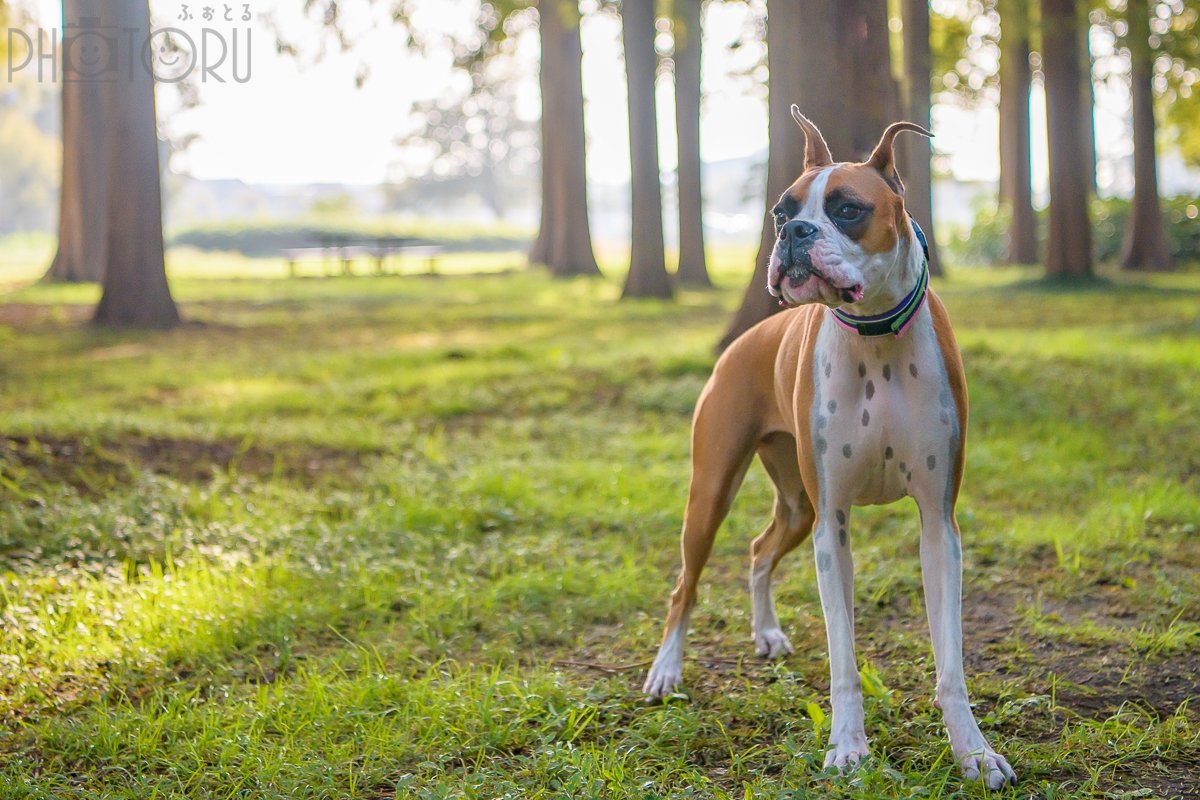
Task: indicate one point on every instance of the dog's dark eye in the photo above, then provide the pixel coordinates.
(848, 212)
(780, 218)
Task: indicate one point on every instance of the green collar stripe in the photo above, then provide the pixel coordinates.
(894, 322)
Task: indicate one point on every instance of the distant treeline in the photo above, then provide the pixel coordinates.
(267, 239)
(986, 241)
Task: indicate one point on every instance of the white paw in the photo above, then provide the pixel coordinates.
(772, 643)
(663, 679)
(989, 765)
(846, 753)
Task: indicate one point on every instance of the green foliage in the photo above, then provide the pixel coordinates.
(1177, 80)
(1180, 214)
(964, 44)
(360, 538)
(984, 242)
(1175, 42)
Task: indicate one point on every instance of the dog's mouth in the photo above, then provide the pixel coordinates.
(799, 275)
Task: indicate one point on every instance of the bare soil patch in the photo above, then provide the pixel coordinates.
(92, 465)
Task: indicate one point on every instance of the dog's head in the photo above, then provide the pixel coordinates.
(840, 226)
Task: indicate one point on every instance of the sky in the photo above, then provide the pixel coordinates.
(298, 121)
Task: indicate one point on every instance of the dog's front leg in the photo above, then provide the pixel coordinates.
(941, 572)
(835, 580)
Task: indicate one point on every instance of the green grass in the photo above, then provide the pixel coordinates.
(371, 537)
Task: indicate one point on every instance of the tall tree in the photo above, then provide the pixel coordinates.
(564, 241)
(800, 44)
(135, 278)
(1069, 248)
(1145, 243)
(647, 259)
(82, 224)
(1016, 179)
(693, 265)
(863, 30)
(915, 151)
(1087, 106)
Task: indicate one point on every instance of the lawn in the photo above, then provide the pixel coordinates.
(413, 537)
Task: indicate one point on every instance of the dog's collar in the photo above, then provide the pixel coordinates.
(896, 321)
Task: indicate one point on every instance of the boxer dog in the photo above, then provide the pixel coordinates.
(855, 396)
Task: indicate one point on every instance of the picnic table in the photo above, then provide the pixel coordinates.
(341, 252)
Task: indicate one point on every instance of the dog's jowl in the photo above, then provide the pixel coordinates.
(854, 396)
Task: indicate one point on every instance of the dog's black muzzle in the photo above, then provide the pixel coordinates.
(796, 239)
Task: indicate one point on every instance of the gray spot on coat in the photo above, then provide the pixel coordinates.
(912, 370)
(841, 517)
(846, 451)
(824, 561)
(931, 462)
(866, 418)
(870, 389)
(887, 372)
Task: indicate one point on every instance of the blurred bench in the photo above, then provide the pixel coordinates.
(341, 255)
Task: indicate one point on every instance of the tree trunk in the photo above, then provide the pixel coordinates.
(1145, 244)
(135, 277)
(1087, 106)
(916, 151)
(647, 261)
(81, 220)
(863, 30)
(1069, 249)
(549, 72)
(564, 242)
(693, 266)
(1016, 181)
(801, 48)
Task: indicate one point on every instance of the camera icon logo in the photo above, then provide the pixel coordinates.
(90, 51)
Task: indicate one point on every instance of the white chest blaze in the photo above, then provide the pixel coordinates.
(883, 419)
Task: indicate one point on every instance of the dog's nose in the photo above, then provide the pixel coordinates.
(797, 231)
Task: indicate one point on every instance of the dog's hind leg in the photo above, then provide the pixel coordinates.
(791, 523)
(723, 439)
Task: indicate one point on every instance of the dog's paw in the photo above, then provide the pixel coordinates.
(772, 643)
(991, 767)
(662, 680)
(846, 754)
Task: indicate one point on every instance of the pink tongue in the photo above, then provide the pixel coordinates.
(858, 293)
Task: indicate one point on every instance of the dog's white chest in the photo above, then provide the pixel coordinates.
(883, 419)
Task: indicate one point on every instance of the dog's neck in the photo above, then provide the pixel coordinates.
(901, 271)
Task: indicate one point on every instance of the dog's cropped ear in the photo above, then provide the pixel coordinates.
(883, 157)
(816, 152)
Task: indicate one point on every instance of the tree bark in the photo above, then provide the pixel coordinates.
(82, 223)
(875, 103)
(1069, 249)
(1016, 173)
(647, 261)
(1087, 107)
(136, 293)
(564, 241)
(916, 151)
(549, 70)
(1145, 244)
(801, 47)
(693, 266)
